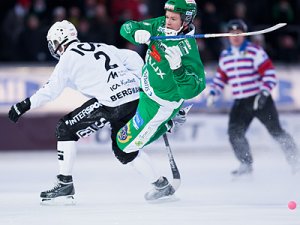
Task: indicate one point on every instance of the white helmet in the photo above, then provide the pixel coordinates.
(60, 34)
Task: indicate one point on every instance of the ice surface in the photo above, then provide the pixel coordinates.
(108, 193)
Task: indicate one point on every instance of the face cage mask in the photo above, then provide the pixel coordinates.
(53, 51)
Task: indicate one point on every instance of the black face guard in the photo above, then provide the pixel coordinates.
(54, 51)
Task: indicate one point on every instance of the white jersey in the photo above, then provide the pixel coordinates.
(97, 70)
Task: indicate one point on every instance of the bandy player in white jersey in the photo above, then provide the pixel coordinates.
(110, 78)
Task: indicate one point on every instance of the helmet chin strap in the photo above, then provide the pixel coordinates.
(171, 32)
(62, 46)
(60, 52)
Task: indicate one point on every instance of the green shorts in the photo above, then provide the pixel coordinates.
(147, 125)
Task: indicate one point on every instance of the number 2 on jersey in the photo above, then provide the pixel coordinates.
(97, 55)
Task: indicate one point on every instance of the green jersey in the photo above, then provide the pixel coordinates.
(159, 81)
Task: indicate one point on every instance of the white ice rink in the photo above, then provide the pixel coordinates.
(108, 193)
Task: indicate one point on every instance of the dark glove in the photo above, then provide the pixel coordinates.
(260, 100)
(17, 110)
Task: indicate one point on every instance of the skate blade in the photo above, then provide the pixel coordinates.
(165, 199)
(247, 177)
(63, 200)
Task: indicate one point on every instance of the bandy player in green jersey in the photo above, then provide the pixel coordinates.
(173, 72)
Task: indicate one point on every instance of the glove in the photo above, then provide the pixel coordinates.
(260, 100)
(17, 110)
(173, 55)
(211, 98)
(142, 36)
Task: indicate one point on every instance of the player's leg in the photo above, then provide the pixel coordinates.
(269, 117)
(240, 118)
(81, 122)
(138, 159)
(148, 124)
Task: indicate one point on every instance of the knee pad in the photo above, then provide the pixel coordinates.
(63, 133)
(124, 157)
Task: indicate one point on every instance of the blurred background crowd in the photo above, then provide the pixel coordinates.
(24, 24)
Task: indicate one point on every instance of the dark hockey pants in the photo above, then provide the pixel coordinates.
(90, 117)
(242, 114)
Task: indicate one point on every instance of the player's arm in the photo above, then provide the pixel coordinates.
(130, 59)
(266, 69)
(48, 92)
(139, 32)
(218, 83)
(188, 71)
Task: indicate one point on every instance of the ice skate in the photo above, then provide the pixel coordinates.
(62, 193)
(162, 188)
(244, 169)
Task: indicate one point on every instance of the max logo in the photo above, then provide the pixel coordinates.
(124, 135)
(155, 54)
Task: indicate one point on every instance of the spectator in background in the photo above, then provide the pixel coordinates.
(12, 26)
(144, 9)
(122, 11)
(282, 11)
(13, 14)
(251, 75)
(211, 23)
(256, 11)
(201, 43)
(74, 15)
(287, 48)
(240, 11)
(39, 9)
(84, 34)
(32, 33)
(102, 28)
(89, 8)
(66, 4)
(59, 14)
(156, 8)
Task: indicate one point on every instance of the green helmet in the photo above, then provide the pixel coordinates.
(186, 8)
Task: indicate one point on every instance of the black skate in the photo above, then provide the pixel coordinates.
(62, 193)
(162, 188)
(244, 169)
